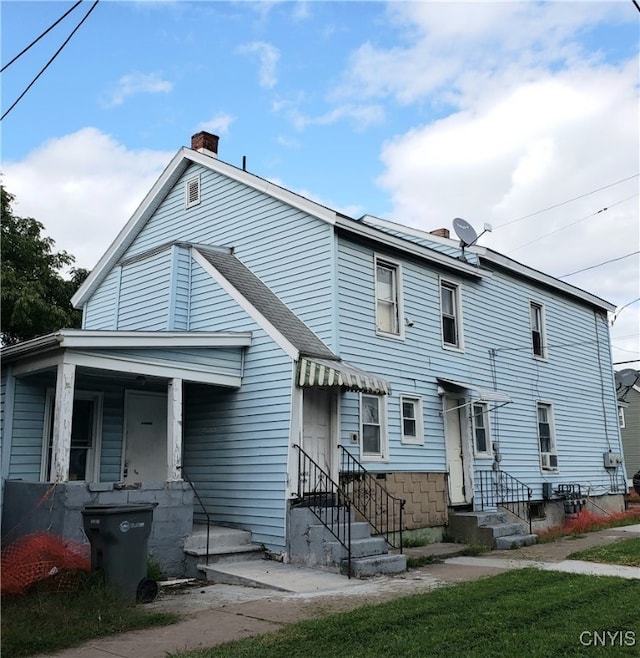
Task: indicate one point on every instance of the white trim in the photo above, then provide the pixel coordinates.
(540, 277)
(431, 255)
(418, 439)
(488, 453)
(169, 177)
(552, 437)
(48, 415)
(383, 456)
(246, 306)
(621, 418)
(187, 191)
(169, 371)
(444, 282)
(533, 304)
(395, 266)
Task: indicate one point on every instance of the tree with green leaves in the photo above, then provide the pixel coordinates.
(36, 298)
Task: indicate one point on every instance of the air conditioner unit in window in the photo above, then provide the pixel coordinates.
(549, 461)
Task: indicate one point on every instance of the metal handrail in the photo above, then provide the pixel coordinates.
(500, 489)
(325, 499)
(383, 511)
(204, 509)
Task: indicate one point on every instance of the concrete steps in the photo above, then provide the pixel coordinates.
(311, 544)
(225, 545)
(494, 530)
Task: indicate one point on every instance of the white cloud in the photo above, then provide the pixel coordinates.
(218, 124)
(137, 83)
(268, 57)
(83, 187)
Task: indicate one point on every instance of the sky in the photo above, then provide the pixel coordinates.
(522, 115)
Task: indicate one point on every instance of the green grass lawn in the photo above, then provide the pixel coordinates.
(625, 552)
(519, 613)
(44, 621)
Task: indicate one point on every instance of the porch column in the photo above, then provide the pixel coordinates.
(62, 419)
(174, 430)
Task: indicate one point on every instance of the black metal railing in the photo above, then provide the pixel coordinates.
(325, 500)
(371, 500)
(499, 489)
(204, 509)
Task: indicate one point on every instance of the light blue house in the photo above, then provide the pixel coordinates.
(247, 353)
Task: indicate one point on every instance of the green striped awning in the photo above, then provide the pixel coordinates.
(324, 372)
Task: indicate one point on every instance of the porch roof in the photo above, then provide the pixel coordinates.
(484, 394)
(322, 372)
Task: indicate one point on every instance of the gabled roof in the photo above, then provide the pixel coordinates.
(267, 303)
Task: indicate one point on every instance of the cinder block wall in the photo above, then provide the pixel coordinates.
(38, 506)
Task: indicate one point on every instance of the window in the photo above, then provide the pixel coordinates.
(546, 438)
(192, 192)
(538, 341)
(388, 302)
(373, 427)
(85, 444)
(411, 418)
(450, 311)
(480, 424)
(621, 417)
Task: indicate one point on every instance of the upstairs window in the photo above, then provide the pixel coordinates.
(388, 298)
(621, 419)
(538, 339)
(450, 313)
(411, 412)
(373, 428)
(546, 438)
(480, 423)
(192, 192)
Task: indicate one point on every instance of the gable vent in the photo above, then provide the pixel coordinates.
(192, 192)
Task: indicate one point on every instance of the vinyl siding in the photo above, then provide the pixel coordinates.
(285, 247)
(631, 433)
(236, 441)
(497, 353)
(101, 310)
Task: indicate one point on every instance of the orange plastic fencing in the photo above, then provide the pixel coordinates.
(42, 556)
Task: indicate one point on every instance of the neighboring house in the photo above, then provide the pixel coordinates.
(235, 330)
(629, 413)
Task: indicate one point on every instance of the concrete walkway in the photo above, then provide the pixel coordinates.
(283, 594)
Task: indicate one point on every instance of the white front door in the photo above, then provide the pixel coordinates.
(145, 455)
(455, 453)
(316, 422)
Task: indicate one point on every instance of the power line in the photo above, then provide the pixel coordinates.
(582, 219)
(33, 43)
(563, 203)
(46, 66)
(616, 315)
(605, 262)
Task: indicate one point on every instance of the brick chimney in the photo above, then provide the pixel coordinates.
(206, 143)
(441, 232)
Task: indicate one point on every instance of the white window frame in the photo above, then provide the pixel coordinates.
(398, 302)
(621, 418)
(383, 453)
(194, 181)
(485, 425)
(547, 458)
(537, 309)
(416, 401)
(456, 287)
(93, 453)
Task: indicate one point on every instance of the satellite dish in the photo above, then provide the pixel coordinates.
(464, 231)
(627, 377)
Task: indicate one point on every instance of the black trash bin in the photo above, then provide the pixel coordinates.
(118, 535)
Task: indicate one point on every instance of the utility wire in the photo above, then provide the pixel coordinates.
(33, 43)
(563, 203)
(46, 66)
(616, 315)
(605, 262)
(582, 219)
